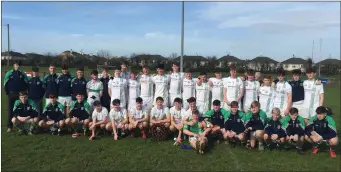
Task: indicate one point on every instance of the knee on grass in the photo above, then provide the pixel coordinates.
(41, 123)
(15, 121)
(333, 141)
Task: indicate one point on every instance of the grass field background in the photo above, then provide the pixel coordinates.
(44, 152)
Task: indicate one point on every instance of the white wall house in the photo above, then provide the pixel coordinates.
(294, 63)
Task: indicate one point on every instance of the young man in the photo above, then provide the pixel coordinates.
(233, 88)
(192, 105)
(124, 73)
(118, 88)
(217, 117)
(251, 91)
(283, 96)
(313, 95)
(105, 98)
(78, 84)
(266, 96)
(53, 116)
(79, 115)
(322, 128)
(15, 81)
(99, 119)
(234, 124)
(133, 90)
(160, 114)
(255, 121)
(119, 119)
(178, 115)
(258, 76)
(24, 111)
(202, 90)
(147, 87)
(65, 90)
(297, 92)
(94, 89)
(274, 132)
(36, 89)
(138, 118)
(217, 87)
(161, 82)
(294, 127)
(196, 133)
(188, 89)
(51, 83)
(175, 83)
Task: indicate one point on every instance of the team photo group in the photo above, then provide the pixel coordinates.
(251, 110)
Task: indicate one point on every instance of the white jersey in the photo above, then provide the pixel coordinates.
(159, 114)
(233, 86)
(146, 84)
(138, 114)
(251, 91)
(161, 86)
(118, 116)
(94, 88)
(266, 96)
(282, 90)
(175, 83)
(217, 89)
(312, 93)
(177, 115)
(134, 89)
(202, 92)
(189, 114)
(188, 88)
(99, 116)
(125, 75)
(118, 88)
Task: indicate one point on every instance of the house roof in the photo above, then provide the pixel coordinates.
(13, 54)
(330, 61)
(34, 55)
(263, 59)
(191, 58)
(295, 60)
(230, 59)
(148, 57)
(68, 53)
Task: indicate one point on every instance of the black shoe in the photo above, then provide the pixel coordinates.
(300, 151)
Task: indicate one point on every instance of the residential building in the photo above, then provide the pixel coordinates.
(295, 63)
(193, 61)
(262, 63)
(227, 60)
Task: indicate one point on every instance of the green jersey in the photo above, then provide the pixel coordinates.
(196, 129)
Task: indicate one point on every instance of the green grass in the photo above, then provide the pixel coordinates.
(44, 152)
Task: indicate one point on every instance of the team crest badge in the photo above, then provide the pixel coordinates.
(221, 117)
(20, 76)
(325, 125)
(38, 83)
(56, 80)
(28, 108)
(83, 82)
(82, 108)
(56, 109)
(278, 127)
(238, 120)
(296, 125)
(69, 79)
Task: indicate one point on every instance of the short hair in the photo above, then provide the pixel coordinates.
(160, 66)
(116, 102)
(35, 69)
(176, 64)
(321, 110)
(139, 100)
(179, 100)
(296, 72)
(105, 69)
(187, 70)
(52, 65)
(202, 73)
(293, 110)
(233, 67)
(281, 72)
(191, 99)
(52, 96)
(250, 72)
(94, 72)
(234, 104)
(145, 67)
(23, 93)
(255, 104)
(18, 62)
(276, 110)
(216, 103)
(97, 103)
(267, 77)
(79, 94)
(159, 98)
(195, 112)
(80, 69)
(65, 67)
(310, 70)
(124, 63)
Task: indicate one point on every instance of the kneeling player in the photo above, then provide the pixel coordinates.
(160, 114)
(53, 116)
(294, 126)
(178, 115)
(234, 124)
(79, 115)
(196, 133)
(25, 111)
(138, 118)
(119, 119)
(99, 118)
(274, 132)
(255, 120)
(322, 128)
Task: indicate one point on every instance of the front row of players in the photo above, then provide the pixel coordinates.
(233, 126)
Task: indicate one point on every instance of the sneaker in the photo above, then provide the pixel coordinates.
(197, 146)
(315, 150)
(332, 154)
(30, 133)
(9, 130)
(132, 134)
(59, 132)
(74, 135)
(53, 133)
(300, 151)
(260, 147)
(144, 136)
(201, 148)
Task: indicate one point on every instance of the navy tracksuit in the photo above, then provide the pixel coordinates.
(51, 85)
(79, 86)
(53, 112)
(64, 85)
(235, 123)
(297, 90)
(36, 92)
(105, 99)
(274, 127)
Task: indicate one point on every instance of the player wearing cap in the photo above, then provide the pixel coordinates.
(188, 88)
(78, 84)
(283, 94)
(138, 118)
(99, 119)
(178, 116)
(36, 89)
(65, 90)
(51, 83)
(217, 87)
(251, 91)
(53, 116)
(161, 82)
(119, 119)
(94, 89)
(147, 87)
(175, 83)
(118, 88)
(233, 88)
(133, 90)
(266, 96)
(202, 90)
(105, 98)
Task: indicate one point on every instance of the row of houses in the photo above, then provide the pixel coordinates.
(197, 61)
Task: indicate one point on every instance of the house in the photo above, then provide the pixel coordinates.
(13, 56)
(193, 61)
(262, 63)
(329, 61)
(147, 59)
(228, 60)
(295, 63)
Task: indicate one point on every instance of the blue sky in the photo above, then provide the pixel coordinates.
(245, 29)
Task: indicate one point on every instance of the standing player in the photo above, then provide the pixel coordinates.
(124, 73)
(188, 88)
(251, 91)
(175, 83)
(53, 116)
(283, 96)
(160, 114)
(78, 84)
(138, 118)
(202, 90)
(65, 90)
(266, 95)
(36, 89)
(119, 119)
(313, 95)
(217, 87)
(298, 92)
(133, 90)
(94, 89)
(99, 119)
(233, 88)
(105, 98)
(178, 115)
(161, 82)
(117, 88)
(146, 83)
(51, 83)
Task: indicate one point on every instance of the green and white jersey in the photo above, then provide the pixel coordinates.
(196, 129)
(94, 88)
(118, 87)
(233, 86)
(282, 90)
(146, 83)
(266, 96)
(188, 88)
(202, 92)
(161, 85)
(118, 115)
(312, 93)
(251, 91)
(99, 116)
(175, 83)
(217, 89)
(159, 114)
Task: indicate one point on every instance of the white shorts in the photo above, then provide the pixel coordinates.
(192, 139)
(65, 101)
(185, 104)
(202, 106)
(147, 102)
(172, 97)
(307, 112)
(300, 106)
(131, 103)
(282, 110)
(165, 101)
(247, 105)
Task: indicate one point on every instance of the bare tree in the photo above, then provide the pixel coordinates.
(104, 53)
(173, 56)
